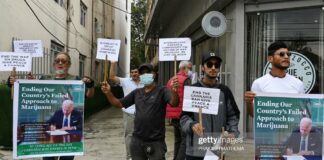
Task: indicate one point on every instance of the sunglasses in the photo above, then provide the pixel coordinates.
(282, 54)
(211, 64)
(62, 61)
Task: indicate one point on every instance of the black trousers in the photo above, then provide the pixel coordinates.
(179, 141)
(60, 158)
(141, 150)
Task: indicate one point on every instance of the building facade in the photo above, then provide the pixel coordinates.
(251, 26)
(64, 25)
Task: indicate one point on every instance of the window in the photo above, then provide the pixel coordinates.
(60, 2)
(301, 29)
(125, 40)
(81, 65)
(83, 12)
(55, 48)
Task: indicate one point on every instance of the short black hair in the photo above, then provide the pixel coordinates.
(133, 66)
(275, 46)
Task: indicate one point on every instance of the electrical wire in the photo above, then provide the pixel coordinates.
(31, 9)
(76, 31)
(115, 7)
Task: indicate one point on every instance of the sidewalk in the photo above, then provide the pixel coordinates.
(104, 140)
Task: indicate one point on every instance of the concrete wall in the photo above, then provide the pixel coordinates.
(235, 54)
(18, 21)
(123, 32)
(82, 37)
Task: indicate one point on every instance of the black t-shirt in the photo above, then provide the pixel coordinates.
(149, 124)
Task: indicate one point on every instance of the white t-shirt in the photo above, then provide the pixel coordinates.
(128, 86)
(270, 84)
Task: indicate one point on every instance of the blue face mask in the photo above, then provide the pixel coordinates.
(146, 79)
(189, 74)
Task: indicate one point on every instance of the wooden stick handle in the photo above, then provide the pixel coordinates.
(200, 116)
(13, 74)
(105, 69)
(175, 65)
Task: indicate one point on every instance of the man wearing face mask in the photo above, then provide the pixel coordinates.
(148, 141)
(174, 113)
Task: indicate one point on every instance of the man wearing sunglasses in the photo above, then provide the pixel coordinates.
(228, 113)
(277, 80)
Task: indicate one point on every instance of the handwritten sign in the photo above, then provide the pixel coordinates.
(22, 61)
(198, 97)
(168, 47)
(109, 47)
(34, 47)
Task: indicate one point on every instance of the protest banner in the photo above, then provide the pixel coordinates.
(109, 47)
(21, 61)
(198, 97)
(39, 125)
(34, 47)
(171, 47)
(278, 120)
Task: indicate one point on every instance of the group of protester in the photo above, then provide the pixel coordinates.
(147, 104)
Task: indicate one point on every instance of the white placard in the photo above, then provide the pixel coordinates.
(210, 156)
(34, 47)
(168, 47)
(22, 61)
(196, 97)
(109, 47)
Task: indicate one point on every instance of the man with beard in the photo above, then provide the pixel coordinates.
(277, 80)
(227, 118)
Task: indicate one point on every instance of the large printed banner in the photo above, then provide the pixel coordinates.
(48, 118)
(289, 125)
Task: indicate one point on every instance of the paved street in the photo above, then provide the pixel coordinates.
(104, 140)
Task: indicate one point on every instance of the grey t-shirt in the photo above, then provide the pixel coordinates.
(149, 124)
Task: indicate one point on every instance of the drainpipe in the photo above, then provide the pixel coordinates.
(92, 32)
(68, 21)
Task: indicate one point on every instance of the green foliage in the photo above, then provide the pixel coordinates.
(5, 116)
(137, 32)
(99, 101)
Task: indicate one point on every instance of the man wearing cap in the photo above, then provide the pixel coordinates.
(150, 103)
(277, 80)
(227, 117)
(128, 84)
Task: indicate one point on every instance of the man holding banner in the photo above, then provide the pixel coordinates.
(148, 141)
(277, 80)
(227, 116)
(62, 64)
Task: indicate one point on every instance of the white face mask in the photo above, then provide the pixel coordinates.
(60, 71)
(189, 74)
(146, 79)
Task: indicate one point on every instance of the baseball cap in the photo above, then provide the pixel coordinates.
(208, 55)
(148, 66)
